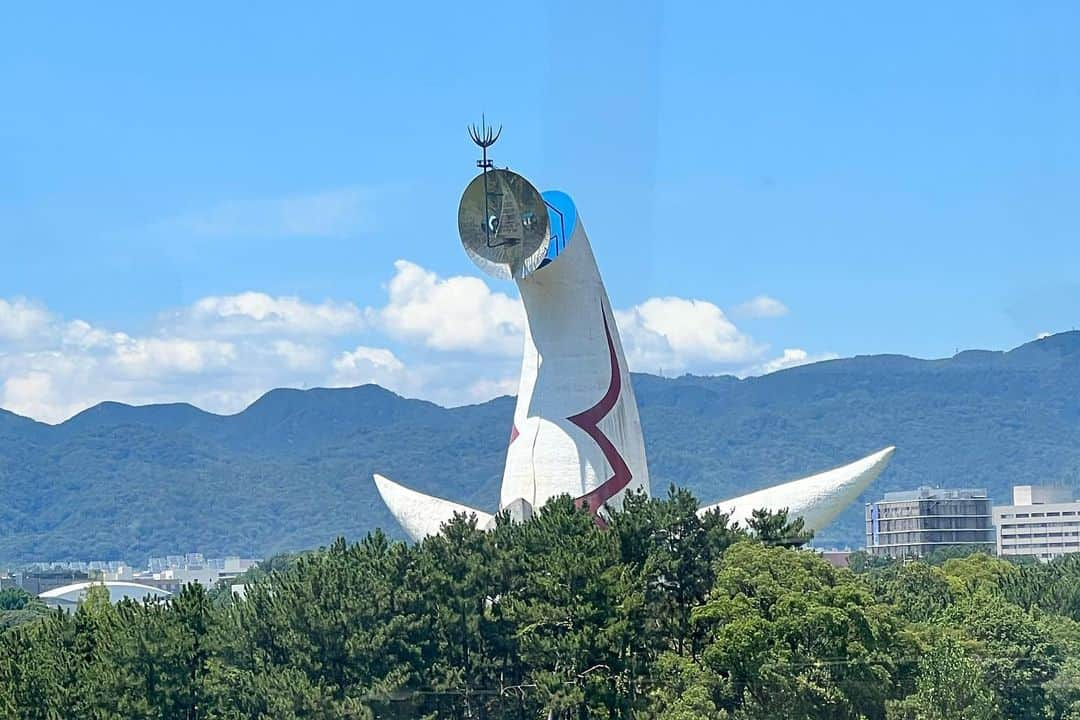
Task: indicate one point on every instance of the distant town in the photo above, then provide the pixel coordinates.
(63, 584)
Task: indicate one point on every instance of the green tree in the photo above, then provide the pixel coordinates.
(1063, 690)
(977, 572)
(949, 686)
(17, 607)
(776, 528)
(1016, 656)
(455, 567)
(14, 598)
(917, 591)
(674, 550)
(954, 552)
(795, 637)
(655, 611)
(572, 615)
(684, 690)
(38, 669)
(331, 632)
(860, 562)
(1053, 586)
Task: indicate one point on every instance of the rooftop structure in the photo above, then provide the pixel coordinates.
(929, 493)
(36, 582)
(1042, 522)
(914, 523)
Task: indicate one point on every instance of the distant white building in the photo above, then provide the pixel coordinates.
(207, 577)
(233, 566)
(120, 572)
(1042, 522)
(207, 574)
(68, 596)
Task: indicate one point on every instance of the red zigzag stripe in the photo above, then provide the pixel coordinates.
(589, 421)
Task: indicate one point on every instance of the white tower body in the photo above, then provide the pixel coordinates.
(576, 428)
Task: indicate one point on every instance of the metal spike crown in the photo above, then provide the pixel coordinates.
(484, 137)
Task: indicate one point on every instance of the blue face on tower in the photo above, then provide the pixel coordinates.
(562, 216)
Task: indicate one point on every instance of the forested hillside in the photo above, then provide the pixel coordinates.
(293, 471)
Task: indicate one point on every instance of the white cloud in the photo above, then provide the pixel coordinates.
(21, 319)
(487, 388)
(46, 386)
(259, 313)
(366, 359)
(672, 334)
(451, 340)
(1043, 335)
(82, 334)
(154, 357)
(85, 365)
(297, 356)
(337, 212)
(67, 366)
(35, 394)
(462, 313)
(761, 306)
(456, 313)
(792, 357)
(364, 365)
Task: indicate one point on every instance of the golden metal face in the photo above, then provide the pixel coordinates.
(503, 223)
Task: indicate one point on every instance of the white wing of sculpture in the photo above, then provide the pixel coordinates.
(818, 499)
(421, 515)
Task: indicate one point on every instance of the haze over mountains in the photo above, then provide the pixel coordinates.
(293, 470)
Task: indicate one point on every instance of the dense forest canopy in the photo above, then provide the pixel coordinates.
(661, 614)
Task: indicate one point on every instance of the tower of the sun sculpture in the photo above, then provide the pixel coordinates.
(576, 429)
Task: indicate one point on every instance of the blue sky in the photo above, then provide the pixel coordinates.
(189, 198)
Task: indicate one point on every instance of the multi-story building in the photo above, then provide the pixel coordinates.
(914, 523)
(37, 582)
(1043, 522)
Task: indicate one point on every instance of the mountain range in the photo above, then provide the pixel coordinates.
(293, 470)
